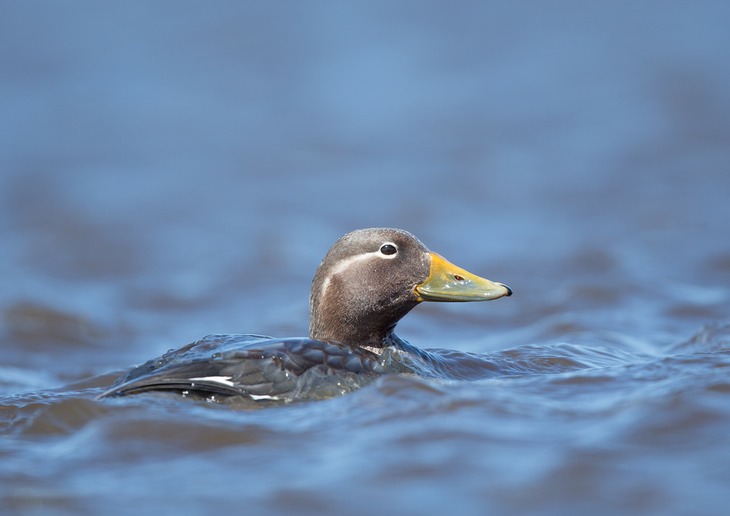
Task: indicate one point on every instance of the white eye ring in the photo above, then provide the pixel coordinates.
(388, 250)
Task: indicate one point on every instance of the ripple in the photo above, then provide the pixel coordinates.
(533, 359)
(14, 379)
(714, 336)
(46, 414)
(38, 327)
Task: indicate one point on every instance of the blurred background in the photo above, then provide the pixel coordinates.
(173, 169)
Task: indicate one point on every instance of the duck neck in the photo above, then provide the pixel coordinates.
(343, 311)
(357, 331)
(338, 317)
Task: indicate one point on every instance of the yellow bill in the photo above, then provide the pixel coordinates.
(447, 282)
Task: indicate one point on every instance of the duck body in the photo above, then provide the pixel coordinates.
(258, 368)
(366, 283)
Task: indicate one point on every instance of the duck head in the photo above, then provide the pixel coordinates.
(371, 278)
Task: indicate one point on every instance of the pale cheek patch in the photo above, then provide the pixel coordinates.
(344, 264)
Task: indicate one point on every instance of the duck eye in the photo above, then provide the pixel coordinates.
(388, 249)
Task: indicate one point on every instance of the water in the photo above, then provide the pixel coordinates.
(168, 173)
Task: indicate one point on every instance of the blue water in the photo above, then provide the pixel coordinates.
(172, 171)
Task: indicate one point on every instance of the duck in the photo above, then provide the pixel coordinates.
(367, 282)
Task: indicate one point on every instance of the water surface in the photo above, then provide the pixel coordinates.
(168, 173)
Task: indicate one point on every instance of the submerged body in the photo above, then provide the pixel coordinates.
(366, 283)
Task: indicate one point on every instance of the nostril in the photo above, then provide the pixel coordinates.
(458, 278)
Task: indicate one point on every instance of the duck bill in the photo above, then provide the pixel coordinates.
(447, 282)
